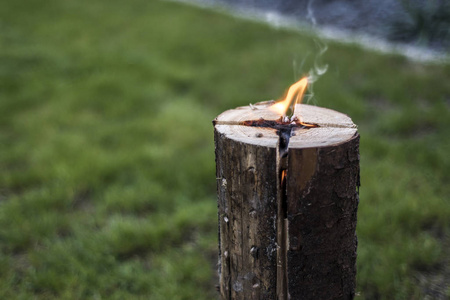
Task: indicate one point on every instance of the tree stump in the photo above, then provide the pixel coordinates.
(287, 206)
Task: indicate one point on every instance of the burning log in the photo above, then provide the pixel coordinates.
(287, 201)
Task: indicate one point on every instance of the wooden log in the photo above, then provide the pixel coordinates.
(287, 209)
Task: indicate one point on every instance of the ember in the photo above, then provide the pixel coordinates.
(283, 123)
(285, 129)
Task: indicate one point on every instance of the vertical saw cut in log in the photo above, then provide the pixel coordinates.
(287, 201)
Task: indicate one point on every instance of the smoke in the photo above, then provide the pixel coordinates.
(310, 14)
(318, 69)
(298, 69)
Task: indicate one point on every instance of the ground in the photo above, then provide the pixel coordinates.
(107, 182)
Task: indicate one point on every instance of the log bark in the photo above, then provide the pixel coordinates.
(287, 212)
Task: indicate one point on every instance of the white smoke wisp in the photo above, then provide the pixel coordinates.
(317, 71)
(297, 69)
(310, 13)
(294, 67)
(319, 68)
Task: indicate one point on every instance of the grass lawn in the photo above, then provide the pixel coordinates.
(107, 173)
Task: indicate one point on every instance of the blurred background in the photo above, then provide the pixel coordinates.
(423, 23)
(107, 171)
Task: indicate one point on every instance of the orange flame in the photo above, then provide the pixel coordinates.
(298, 89)
(283, 175)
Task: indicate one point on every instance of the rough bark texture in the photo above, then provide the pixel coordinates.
(247, 189)
(293, 236)
(322, 202)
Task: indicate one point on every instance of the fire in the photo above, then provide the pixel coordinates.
(283, 175)
(295, 91)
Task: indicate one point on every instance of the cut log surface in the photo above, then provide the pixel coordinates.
(287, 219)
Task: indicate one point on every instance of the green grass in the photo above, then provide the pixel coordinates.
(107, 183)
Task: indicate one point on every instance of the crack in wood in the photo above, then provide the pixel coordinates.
(284, 132)
(314, 125)
(282, 224)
